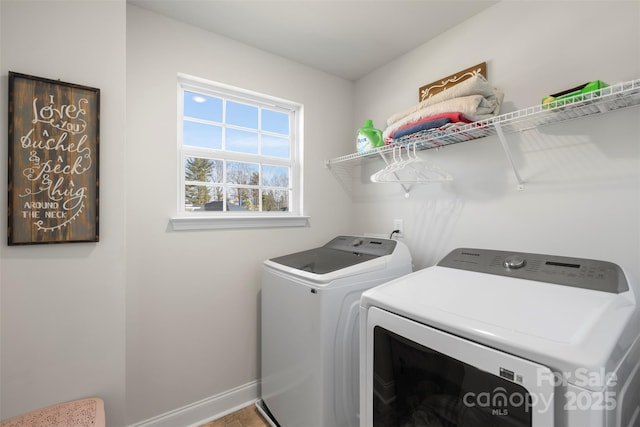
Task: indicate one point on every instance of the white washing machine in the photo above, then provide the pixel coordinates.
(310, 346)
(496, 338)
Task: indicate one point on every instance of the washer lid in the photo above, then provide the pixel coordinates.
(341, 252)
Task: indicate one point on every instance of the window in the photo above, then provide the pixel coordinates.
(240, 156)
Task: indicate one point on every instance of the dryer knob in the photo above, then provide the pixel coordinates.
(514, 262)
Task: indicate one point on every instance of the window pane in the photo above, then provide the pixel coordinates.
(275, 200)
(242, 141)
(275, 147)
(201, 106)
(242, 115)
(242, 173)
(203, 170)
(216, 202)
(202, 197)
(242, 199)
(275, 176)
(239, 150)
(275, 121)
(201, 135)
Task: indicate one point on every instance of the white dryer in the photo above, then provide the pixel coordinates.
(310, 317)
(497, 338)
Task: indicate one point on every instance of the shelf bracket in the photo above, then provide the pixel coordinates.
(507, 151)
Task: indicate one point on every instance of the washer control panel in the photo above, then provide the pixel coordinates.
(577, 272)
(362, 245)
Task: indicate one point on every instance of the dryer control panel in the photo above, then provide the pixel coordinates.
(577, 272)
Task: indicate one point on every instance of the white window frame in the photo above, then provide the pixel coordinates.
(294, 217)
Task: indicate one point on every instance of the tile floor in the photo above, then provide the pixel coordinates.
(247, 417)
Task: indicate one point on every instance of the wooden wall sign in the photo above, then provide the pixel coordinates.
(53, 161)
(427, 91)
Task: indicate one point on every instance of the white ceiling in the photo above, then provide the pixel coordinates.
(348, 39)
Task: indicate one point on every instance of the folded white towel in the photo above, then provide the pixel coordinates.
(474, 107)
(475, 85)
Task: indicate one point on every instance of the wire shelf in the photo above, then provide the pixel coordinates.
(611, 98)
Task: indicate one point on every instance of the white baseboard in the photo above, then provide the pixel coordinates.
(206, 410)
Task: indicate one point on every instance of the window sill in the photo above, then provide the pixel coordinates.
(186, 222)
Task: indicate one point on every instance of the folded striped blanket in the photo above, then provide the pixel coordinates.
(431, 122)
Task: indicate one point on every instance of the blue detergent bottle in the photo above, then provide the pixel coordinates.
(368, 137)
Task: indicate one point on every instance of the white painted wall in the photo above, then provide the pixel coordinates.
(192, 312)
(582, 191)
(63, 306)
(193, 297)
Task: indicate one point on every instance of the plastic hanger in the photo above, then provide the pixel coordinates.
(411, 169)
